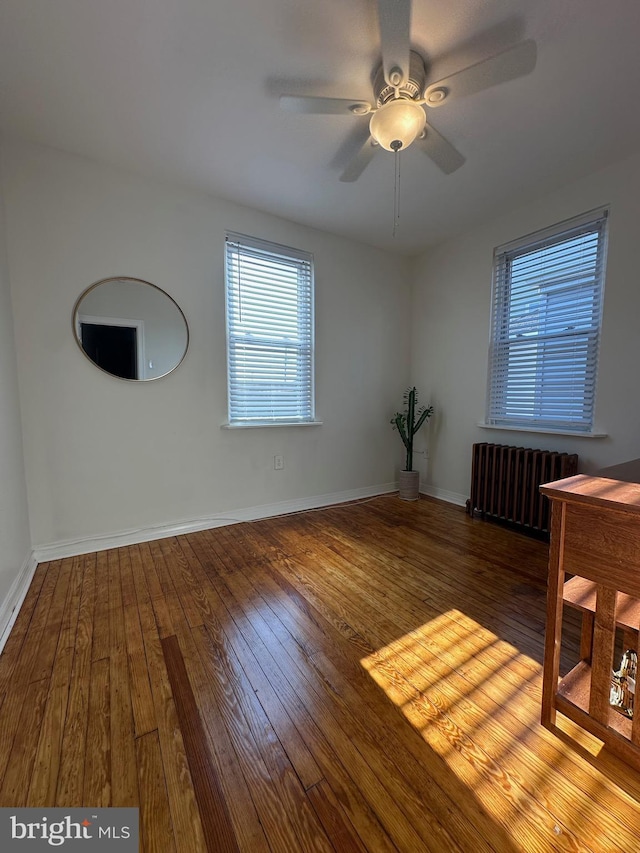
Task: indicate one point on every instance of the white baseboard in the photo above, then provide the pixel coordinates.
(444, 495)
(10, 607)
(73, 547)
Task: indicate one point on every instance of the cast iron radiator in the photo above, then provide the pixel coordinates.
(505, 481)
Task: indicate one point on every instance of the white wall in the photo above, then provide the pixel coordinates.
(451, 306)
(14, 524)
(104, 455)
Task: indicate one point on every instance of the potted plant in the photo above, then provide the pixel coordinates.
(408, 423)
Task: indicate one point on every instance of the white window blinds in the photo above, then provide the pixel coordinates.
(545, 327)
(269, 332)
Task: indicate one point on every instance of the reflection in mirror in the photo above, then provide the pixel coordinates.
(130, 328)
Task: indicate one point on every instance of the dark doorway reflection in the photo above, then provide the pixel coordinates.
(113, 348)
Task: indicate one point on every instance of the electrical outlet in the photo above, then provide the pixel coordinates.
(278, 463)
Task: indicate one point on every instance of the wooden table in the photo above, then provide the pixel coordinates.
(595, 536)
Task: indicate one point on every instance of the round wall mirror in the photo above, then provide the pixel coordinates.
(130, 328)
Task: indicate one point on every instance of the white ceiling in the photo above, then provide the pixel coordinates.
(188, 90)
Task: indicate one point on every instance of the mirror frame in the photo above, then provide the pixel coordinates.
(125, 278)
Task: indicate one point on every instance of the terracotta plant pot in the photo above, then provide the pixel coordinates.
(409, 485)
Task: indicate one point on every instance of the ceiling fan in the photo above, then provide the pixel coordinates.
(402, 93)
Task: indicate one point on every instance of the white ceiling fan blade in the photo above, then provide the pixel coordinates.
(440, 150)
(360, 162)
(514, 62)
(394, 17)
(324, 106)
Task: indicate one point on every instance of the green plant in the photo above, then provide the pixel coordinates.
(409, 422)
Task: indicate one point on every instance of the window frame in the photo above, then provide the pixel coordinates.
(300, 346)
(575, 413)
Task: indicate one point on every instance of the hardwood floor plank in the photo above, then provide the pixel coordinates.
(141, 572)
(100, 646)
(216, 822)
(97, 768)
(330, 813)
(197, 580)
(155, 592)
(174, 610)
(10, 714)
(248, 829)
(123, 773)
(44, 782)
(124, 777)
(19, 766)
(70, 782)
(141, 698)
(156, 830)
(115, 610)
(189, 591)
(185, 816)
(32, 649)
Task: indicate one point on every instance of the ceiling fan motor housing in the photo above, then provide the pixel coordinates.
(412, 89)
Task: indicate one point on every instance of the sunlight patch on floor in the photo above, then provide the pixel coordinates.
(442, 664)
(474, 698)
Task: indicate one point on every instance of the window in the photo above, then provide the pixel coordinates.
(545, 327)
(269, 333)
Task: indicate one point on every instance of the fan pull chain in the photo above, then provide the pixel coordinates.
(396, 192)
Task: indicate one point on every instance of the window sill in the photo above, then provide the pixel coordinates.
(534, 429)
(270, 425)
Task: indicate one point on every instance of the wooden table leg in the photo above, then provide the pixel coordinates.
(553, 635)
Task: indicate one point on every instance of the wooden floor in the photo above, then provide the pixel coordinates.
(359, 678)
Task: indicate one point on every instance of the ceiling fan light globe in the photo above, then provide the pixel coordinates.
(397, 121)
